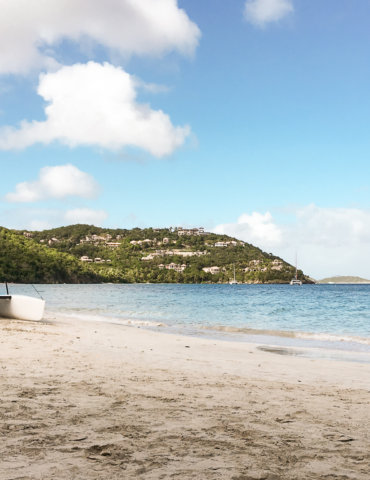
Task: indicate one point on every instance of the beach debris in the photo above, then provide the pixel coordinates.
(283, 420)
(105, 453)
(345, 439)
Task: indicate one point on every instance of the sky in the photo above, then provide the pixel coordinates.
(245, 117)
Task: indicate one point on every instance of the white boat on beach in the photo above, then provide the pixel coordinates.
(21, 307)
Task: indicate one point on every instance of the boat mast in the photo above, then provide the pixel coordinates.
(296, 268)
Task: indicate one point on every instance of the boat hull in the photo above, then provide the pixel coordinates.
(22, 307)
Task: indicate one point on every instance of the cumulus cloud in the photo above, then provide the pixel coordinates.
(95, 105)
(55, 182)
(45, 218)
(29, 29)
(85, 215)
(262, 12)
(256, 228)
(334, 227)
(329, 241)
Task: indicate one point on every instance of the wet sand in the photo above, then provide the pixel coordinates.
(85, 400)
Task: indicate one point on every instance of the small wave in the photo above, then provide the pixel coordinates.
(327, 337)
(250, 331)
(115, 320)
(324, 337)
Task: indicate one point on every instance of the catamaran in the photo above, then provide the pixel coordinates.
(21, 307)
(295, 280)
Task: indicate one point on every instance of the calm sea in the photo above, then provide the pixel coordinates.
(320, 316)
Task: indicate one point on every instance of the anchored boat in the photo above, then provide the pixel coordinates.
(295, 280)
(21, 307)
(233, 281)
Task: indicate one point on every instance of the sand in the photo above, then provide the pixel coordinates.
(85, 400)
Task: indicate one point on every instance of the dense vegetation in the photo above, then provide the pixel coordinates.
(137, 255)
(23, 260)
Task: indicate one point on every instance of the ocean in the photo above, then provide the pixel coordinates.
(326, 317)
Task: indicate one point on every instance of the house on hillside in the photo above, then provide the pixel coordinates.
(99, 260)
(98, 238)
(53, 240)
(213, 270)
(113, 244)
(184, 253)
(175, 267)
(151, 256)
(221, 244)
(189, 231)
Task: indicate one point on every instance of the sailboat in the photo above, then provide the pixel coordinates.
(21, 307)
(233, 281)
(295, 280)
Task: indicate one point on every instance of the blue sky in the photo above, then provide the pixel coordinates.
(245, 117)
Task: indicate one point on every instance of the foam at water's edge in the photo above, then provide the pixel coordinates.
(248, 331)
(108, 319)
(322, 340)
(325, 337)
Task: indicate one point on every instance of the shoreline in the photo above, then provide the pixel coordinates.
(97, 400)
(341, 344)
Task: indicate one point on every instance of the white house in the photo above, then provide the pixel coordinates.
(221, 244)
(112, 244)
(148, 257)
(99, 260)
(190, 231)
(176, 267)
(213, 270)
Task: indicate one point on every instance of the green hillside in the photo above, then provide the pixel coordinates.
(23, 260)
(85, 253)
(344, 279)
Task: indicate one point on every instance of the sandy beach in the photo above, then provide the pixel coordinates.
(85, 400)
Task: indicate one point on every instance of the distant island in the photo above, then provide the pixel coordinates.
(344, 279)
(89, 254)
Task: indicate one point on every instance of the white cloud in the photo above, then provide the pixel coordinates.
(257, 228)
(56, 182)
(39, 225)
(45, 218)
(329, 241)
(29, 29)
(95, 105)
(85, 215)
(334, 227)
(262, 12)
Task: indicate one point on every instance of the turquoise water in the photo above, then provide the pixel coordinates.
(321, 315)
